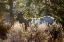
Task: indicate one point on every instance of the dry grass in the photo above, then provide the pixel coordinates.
(42, 33)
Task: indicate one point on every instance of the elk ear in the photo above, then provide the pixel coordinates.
(22, 13)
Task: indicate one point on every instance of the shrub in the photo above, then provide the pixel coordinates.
(43, 33)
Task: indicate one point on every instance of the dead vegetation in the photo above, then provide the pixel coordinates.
(43, 33)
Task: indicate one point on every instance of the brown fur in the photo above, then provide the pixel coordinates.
(21, 19)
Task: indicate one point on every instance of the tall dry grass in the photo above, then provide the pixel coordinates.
(41, 33)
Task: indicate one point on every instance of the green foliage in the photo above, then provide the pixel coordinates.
(32, 8)
(3, 8)
(57, 9)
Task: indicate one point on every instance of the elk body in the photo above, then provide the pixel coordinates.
(22, 19)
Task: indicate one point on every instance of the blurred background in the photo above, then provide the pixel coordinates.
(24, 10)
(9, 9)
